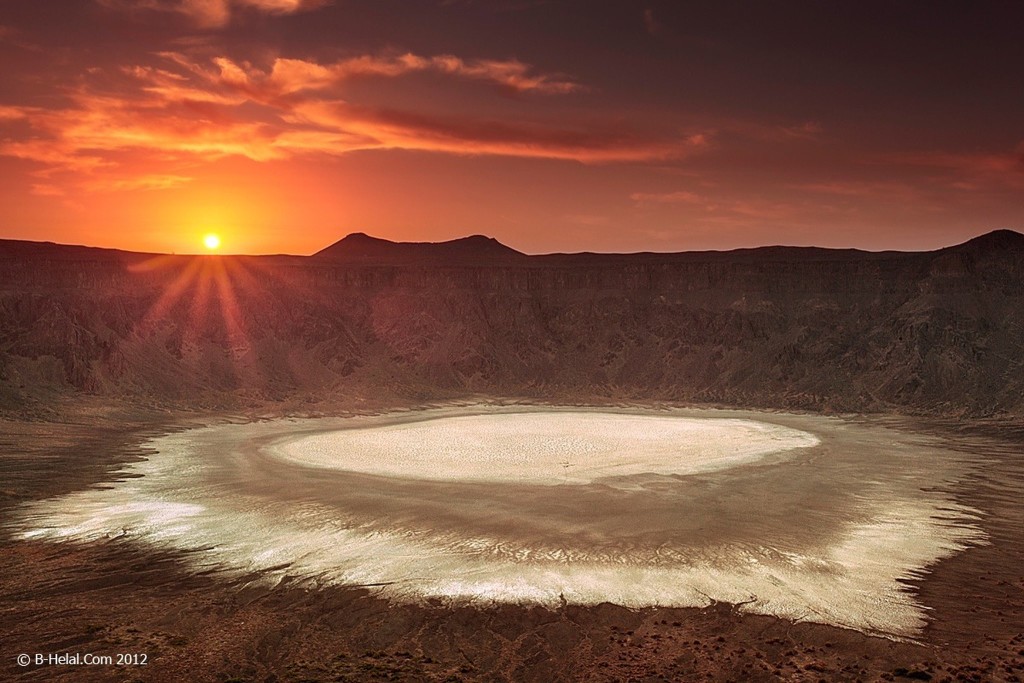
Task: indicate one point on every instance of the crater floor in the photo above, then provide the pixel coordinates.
(804, 517)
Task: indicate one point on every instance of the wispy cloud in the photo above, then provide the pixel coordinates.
(651, 23)
(964, 170)
(147, 182)
(726, 211)
(980, 162)
(55, 155)
(46, 190)
(13, 113)
(290, 76)
(181, 110)
(774, 132)
(213, 13)
(894, 190)
(677, 197)
(392, 129)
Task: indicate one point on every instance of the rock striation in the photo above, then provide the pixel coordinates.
(938, 332)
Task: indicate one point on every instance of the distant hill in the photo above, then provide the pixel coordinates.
(360, 247)
(939, 332)
(997, 240)
(23, 249)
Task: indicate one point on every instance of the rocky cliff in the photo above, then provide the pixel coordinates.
(366, 319)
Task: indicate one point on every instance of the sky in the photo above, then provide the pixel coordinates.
(553, 126)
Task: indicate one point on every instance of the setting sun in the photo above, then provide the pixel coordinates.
(211, 241)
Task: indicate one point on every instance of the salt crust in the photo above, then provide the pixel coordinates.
(854, 581)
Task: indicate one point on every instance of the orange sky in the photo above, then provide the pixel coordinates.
(283, 125)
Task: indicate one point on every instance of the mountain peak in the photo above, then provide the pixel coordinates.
(360, 247)
(997, 240)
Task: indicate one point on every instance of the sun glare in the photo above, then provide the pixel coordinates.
(211, 241)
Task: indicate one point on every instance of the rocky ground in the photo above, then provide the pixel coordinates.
(936, 333)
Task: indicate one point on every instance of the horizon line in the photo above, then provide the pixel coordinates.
(385, 240)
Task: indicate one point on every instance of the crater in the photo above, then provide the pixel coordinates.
(803, 517)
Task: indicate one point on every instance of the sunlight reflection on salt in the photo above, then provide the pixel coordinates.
(544, 448)
(805, 517)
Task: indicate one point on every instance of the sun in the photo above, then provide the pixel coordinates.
(211, 241)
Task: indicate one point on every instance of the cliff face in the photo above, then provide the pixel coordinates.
(935, 332)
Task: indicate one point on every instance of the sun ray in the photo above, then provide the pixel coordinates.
(300, 283)
(171, 294)
(199, 310)
(231, 317)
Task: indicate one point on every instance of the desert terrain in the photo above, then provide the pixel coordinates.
(104, 354)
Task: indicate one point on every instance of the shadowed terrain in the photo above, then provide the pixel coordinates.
(937, 332)
(102, 351)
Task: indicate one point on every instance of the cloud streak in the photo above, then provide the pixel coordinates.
(677, 197)
(146, 182)
(392, 129)
(724, 211)
(999, 163)
(213, 13)
(963, 170)
(288, 77)
(186, 111)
